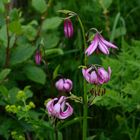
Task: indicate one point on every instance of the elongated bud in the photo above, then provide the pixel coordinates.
(68, 28)
(38, 57)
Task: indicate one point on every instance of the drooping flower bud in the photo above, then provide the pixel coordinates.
(68, 28)
(38, 57)
(64, 85)
(59, 108)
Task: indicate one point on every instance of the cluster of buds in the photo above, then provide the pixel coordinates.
(59, 108)
(96, 76)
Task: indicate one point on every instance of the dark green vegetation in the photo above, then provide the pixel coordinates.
(36, 23)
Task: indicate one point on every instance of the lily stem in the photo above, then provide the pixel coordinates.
(85, 102)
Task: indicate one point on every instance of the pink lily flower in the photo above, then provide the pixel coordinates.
(68, 28)
(96, 76)
(103, 75)
(99, 44)
(59, 108)
(64, 85)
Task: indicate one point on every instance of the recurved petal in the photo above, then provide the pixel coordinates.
(68, 112)
(92, 47)
(103, 48)
(50, 105)
(56, 110)
(107, 43)
(86, 74)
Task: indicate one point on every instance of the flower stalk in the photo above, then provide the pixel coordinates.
(85, 102)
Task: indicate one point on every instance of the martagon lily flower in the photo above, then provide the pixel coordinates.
(96, 76)
(64, 85)
(68, 28)
(99, 44)
(59, 108)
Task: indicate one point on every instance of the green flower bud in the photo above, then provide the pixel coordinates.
(31, 104)
(21, 95)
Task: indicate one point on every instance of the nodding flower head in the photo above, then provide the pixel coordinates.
(38, 57)
(68, 28)
(64, 85)
(96, 76)
(59, 108)
(99, 44)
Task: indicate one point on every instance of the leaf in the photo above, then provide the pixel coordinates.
(29, 31)
(106, 3)
(67, 123)
(120, 31)
(51, 40)
(15, 27)
(1, 7)
(21, 54)
(55, 73)
(35, 74)
(39, 5)
(54, 52)
(114, 26)
(60, 136)
(4, 73)
(51, 23)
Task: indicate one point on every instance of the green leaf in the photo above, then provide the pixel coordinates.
(67, 123)
(1, 7)
(120, 31)
(105, 4)
(55, 73)
(29, 31)
(60, 136)
(51, 23)
(51, 41)
(114, 27)
(56, 51)
(35, 74)
(15, 27)
(21, 54)
(4, 73)
(39, 5)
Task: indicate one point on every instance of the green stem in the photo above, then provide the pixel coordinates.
(85, 102)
